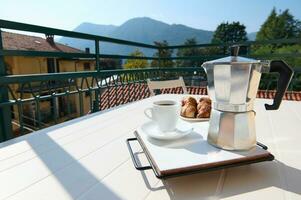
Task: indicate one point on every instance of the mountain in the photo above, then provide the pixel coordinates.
(148, 30)
(142, 29)
(90, 28)
(252, 36)
(95, 29)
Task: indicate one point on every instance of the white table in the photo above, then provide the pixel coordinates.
(87, 158)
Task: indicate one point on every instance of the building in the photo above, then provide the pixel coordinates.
(32, 65)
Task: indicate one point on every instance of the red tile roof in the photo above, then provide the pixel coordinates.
(114, 96)
(16, 41)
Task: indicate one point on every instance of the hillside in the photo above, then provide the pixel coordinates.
(142, 29)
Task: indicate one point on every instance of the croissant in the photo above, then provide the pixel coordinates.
(191, 108)
(189, 100)
(205, 100)
(204, 110)
(188, 111)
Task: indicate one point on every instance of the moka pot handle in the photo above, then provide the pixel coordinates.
(285, 76)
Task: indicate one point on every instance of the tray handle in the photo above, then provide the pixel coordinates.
(133, 156)
(262, 145)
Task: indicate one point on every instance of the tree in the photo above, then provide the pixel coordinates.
(110, 64)
(266, 31)
(229, 33)
(279, 26)
(162, 53)
(136, 63)
(193, 51)
(210, 51)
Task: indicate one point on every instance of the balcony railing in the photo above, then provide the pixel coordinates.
(66, 94)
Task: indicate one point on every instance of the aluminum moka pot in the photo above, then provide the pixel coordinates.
(232, 85)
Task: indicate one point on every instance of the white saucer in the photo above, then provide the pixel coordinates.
(152, 130)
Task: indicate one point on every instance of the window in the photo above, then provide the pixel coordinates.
(50, 65)
(86, 66)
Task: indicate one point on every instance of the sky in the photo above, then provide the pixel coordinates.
(202, 14)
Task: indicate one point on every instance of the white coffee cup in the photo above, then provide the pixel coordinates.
(165, 114)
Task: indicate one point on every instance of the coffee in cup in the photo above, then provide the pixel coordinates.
(165, 114)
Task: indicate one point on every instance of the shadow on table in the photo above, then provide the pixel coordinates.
(143, 174)
(233, 181)
(73, 177)
(228, 182)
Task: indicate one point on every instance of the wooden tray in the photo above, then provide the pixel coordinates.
(192, 154)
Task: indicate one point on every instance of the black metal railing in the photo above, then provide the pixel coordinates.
(33, 101)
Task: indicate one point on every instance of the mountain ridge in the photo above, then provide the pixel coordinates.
(140, 29)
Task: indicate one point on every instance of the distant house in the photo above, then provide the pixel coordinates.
(32, 65)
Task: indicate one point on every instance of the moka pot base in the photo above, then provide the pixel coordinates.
(232, 130)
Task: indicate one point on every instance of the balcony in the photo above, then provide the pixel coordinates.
(68, 95)
(86, 157)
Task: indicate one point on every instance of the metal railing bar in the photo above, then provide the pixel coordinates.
(46, 54)
(70, 55)
(37, 111)
(36, 88)
(29, 118)
(20, 114)
(115, 56)
(44, 97)
(246, 43)
(23, 127)
(55, 106)
(52, 31)
(14, 79)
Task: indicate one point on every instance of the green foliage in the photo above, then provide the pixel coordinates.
(135, 63)
(269, 52)
(212, 51)
(162, 53)
(110, 64)
(229, 32)
(279, 26)
(266, 31)
(294, 61)
(186, 52)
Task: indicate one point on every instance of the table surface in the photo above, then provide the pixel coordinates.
(87, 158)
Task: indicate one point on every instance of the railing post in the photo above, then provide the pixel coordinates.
(159, 57)
(248, 50)
(96, 103)
(97, 55)
(5, 112)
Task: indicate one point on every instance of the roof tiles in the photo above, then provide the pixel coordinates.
(114, 96)
(16, 41)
